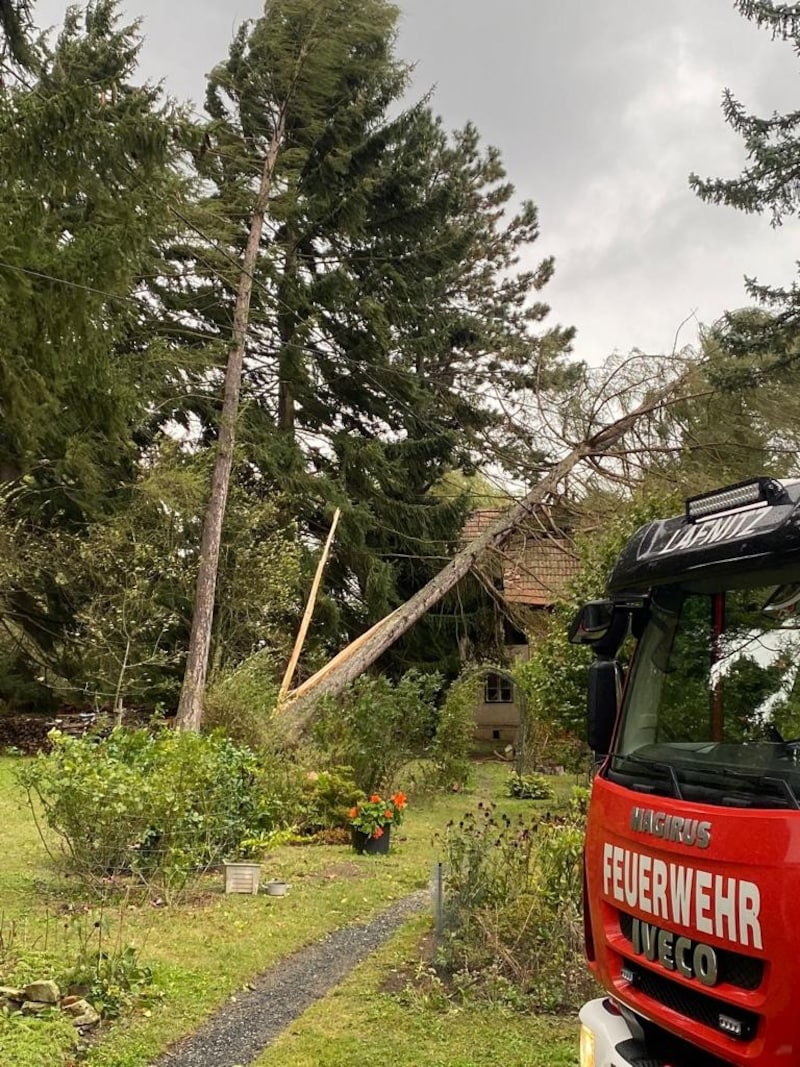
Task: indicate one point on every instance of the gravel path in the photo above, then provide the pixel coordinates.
(241, 1029)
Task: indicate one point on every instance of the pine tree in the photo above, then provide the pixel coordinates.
(15, 27)
(387, 302)
(90, 166)
(767, 184)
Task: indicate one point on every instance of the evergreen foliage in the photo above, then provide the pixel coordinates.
(15, 26)
(388, 303)
(90, 165)
(389, 308)
(768, 183)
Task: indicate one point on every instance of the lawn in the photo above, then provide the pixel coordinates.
(209, 945)
(362, 1024)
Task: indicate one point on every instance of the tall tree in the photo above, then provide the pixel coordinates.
(388, 305)
(90, 166)
(768, 183)
(15, 28)
(294, 74)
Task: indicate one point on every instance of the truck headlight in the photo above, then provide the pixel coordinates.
(587, 1047)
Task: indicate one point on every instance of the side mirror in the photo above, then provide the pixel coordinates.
(602, 704)
(592, 622)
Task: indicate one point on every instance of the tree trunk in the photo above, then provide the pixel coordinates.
(190, 708)
(296, 713)
(287, 328)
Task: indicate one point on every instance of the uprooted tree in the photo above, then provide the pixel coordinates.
(298, 710)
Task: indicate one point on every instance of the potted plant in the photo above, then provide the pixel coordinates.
(371, 822)
(243, 874)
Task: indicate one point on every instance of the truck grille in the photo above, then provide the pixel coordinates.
(744, 972)
(691, 1004)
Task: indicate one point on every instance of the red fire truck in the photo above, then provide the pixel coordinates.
(692, 857)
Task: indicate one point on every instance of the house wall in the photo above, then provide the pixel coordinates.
(496, 722)
(500, 721)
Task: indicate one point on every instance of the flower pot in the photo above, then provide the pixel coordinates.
(367, 845)
(241, 877)
(277, 889)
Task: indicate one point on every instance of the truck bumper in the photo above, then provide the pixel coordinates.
(607, 1038)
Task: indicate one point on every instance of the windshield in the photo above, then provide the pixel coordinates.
(712, 709)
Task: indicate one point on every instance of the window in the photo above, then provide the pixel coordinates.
(498, 690)
(712, 708)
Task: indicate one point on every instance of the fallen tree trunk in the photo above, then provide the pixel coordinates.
(295, 714)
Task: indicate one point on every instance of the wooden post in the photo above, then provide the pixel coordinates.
(312, 599)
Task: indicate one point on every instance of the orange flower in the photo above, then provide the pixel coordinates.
(374, 799)
(388, 814)
(353, 813)
(378, 831)
(399, 800)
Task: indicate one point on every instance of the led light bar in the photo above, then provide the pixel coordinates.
(730, 1025)
(733, 497)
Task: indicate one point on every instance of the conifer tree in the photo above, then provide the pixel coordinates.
(90, 166)
(387, 300)
(15, 27)
(293, 76)
(768, 184)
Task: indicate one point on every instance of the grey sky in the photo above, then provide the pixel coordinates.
(601, 110)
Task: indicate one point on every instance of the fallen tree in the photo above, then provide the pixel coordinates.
(296, 711)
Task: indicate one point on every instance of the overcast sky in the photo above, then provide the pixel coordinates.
(601, 109)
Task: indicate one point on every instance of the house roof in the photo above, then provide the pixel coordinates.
(537, 564)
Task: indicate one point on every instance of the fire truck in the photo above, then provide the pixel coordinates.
(692, 854)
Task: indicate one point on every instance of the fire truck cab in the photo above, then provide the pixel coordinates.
(692, 855)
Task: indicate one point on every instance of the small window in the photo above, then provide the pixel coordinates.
(498, 690)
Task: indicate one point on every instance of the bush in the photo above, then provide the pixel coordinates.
(327, 797)
(455, 733)
(528, 787)
(242, 702)
(512, 916)
(377, 726)
(154, 805)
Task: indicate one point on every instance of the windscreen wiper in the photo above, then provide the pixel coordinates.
(656, 765)
(753, 778)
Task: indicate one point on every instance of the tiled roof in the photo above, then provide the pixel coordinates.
(479, 521)
(537, 564)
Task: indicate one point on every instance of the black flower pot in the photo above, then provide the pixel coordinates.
(367, 845)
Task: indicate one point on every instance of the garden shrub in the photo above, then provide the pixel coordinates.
(528, 787)
(455, 733)
(512, 918)
(156, 805)
(377, 726)
(327, 797)
(241, 703)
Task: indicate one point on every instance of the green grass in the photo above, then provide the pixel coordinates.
(207, 947)
(359, 1025)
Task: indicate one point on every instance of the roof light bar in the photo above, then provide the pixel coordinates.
(731, 498)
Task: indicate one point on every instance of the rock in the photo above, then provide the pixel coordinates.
(43, 993)
(76, 1006)
(88, 1018)
(9, 993)
(79, 990)
(34, 1007)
